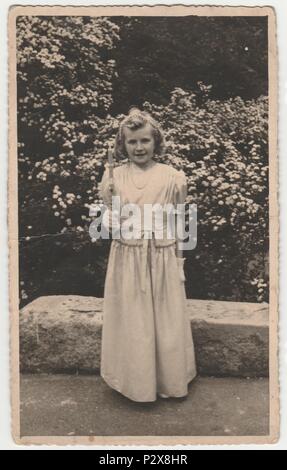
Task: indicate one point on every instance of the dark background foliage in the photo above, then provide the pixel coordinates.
(155, 55)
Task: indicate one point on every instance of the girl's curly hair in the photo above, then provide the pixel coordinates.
(137, 119)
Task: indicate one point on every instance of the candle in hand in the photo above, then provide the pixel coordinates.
(111, 167)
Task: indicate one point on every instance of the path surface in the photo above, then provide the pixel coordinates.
(62, 405)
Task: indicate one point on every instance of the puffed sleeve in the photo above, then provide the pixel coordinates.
(180, 187)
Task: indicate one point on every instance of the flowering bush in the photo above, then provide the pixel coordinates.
(64, 75)
(64, 126)
(64, 93)
(222, 147)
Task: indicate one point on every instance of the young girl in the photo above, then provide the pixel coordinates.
(147, 347)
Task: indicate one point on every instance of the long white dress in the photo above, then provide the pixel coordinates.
(147, 346)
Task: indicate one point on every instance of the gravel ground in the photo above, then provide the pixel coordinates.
(70, 405)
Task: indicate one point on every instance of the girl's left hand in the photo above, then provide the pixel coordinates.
(180, 265)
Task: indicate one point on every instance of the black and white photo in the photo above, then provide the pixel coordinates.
(143, 224)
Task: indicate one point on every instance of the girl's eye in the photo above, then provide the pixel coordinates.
(143, 141)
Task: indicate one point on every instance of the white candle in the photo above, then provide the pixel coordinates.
(111, 162)
(111, 168)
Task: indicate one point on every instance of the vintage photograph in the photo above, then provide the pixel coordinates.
(143, 224)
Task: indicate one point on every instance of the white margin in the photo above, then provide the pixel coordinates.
(6, 442)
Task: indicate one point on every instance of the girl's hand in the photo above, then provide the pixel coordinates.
(111, 220)
(107, 189)
(180, 266)
(110, 192)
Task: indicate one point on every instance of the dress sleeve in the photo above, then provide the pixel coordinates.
(180, 187)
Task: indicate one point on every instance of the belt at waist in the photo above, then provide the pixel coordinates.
(144, 242)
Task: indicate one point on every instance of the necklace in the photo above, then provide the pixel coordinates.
(146, 179)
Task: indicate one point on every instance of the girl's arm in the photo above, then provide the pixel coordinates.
(180, 196)
(106, 190)
(179, 253)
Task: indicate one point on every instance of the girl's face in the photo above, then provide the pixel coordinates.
(139, 144)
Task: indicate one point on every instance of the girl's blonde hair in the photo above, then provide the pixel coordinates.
(137, 119)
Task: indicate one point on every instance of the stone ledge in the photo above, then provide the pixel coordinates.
(62, 333)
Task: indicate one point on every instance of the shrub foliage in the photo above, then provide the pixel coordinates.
(65, 75)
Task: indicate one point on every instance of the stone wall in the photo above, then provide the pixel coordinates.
(63, 334)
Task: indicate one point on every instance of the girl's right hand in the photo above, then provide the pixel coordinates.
(111, 220)
(107, 189)
(110, 192)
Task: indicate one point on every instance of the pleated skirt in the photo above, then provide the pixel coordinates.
(147, 345)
